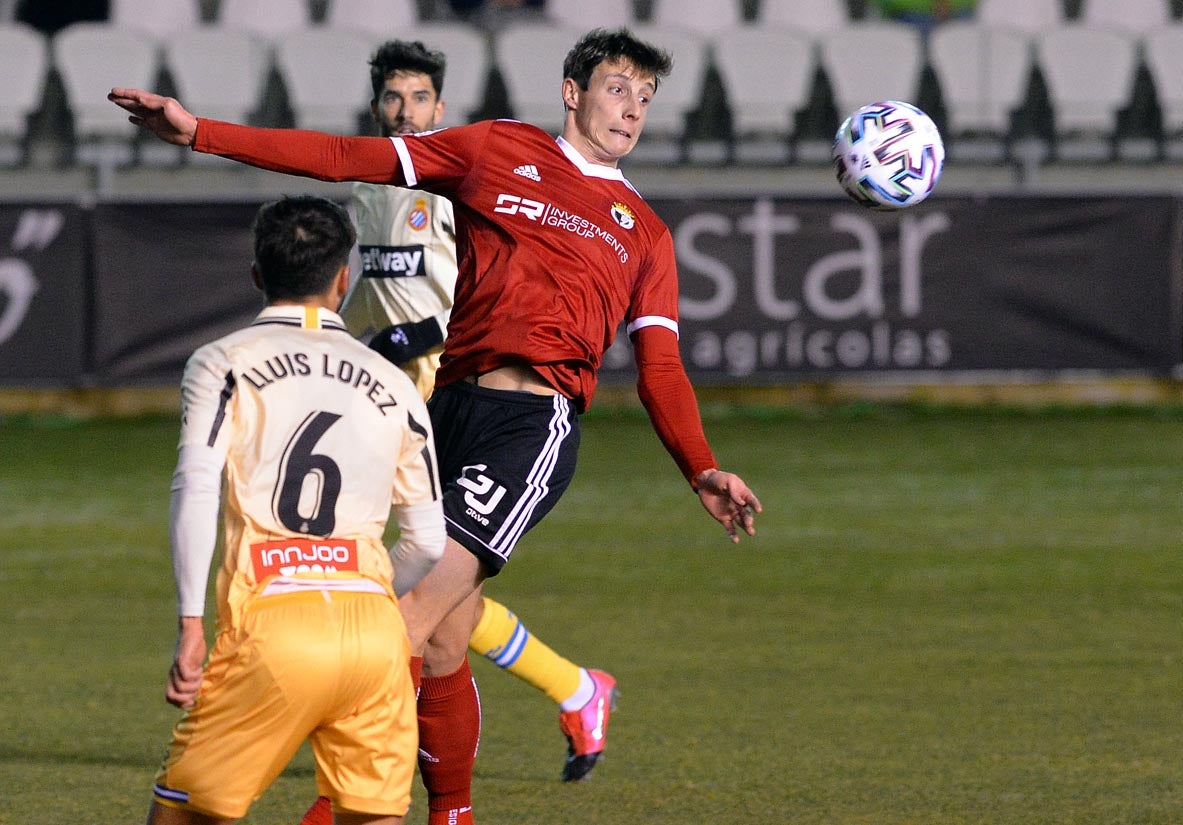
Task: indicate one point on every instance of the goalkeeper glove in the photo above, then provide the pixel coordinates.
(402, 342)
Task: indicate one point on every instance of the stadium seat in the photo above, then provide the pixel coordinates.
(983, 74)
(677, 97)
(872, 61)
(1090, 76)
(270, 19)
(91, 58)
(763, 115)
(1029, 16)
(814, 16)
(702, 16)
(467, 80)
(382, 18)
(24, 63)
(324, 74)
(1135, 16)
(1164, 59)
(530, 59)
(219, 74)
(580, 14)
(156, 17)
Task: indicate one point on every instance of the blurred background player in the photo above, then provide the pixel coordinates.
(317, 438)
(556, 250)
(400, 303)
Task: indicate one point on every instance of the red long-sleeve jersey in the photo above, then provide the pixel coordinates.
(554, 253)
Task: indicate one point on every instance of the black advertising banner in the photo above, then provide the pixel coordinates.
(168, 278)
(43, 294)
(779, 290)
(773, 290)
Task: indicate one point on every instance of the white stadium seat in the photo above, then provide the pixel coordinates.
(580, 14)
(156, 17)
(384, 19)
(271, 19)
(24, 63)
(1029, 16)
(1090, 77)
(324, 73)
(872, 61)
(91, 58)
(814, 16)
(530, 59)
(219, 73)
(763, 114)
(1164, 59)
(702, 16)
(1135, 16)
(983, 74)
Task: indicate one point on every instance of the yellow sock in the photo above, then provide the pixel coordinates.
(502, 638)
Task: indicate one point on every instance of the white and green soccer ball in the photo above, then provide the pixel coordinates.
(888, 155)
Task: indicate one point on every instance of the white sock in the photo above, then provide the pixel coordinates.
(582, 695)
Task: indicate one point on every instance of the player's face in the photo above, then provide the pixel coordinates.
(408, 104)
(605, 120)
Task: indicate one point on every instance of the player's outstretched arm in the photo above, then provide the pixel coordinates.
(163, 116)
(732, 503)
(184, 677)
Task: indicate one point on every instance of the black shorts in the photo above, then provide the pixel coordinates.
(505, 458)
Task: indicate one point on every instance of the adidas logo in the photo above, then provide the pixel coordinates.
(528, 170)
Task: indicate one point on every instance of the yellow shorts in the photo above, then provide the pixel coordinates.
(329, 667)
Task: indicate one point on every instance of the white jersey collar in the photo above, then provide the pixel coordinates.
(307, 317)
(592, 170)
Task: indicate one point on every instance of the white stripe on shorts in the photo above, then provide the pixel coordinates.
(537, 482)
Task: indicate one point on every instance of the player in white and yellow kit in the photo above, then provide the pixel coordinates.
(400, 304)
(316, 439)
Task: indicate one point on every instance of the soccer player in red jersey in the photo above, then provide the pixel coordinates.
(555, 250)
(400, 303)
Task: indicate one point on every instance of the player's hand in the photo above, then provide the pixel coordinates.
(184, 677)
(163, 116)
(726, 497)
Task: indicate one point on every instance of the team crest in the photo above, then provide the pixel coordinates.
(623, 215)
(418, 218)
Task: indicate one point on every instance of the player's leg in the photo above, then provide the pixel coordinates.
(454, 580)
(366, 748)
(585, 697)
(449, 718)
(222, 758)
(163, 815)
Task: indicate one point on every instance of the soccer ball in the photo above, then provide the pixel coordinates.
(888, 155)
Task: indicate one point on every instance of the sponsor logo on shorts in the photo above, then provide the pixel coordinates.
(482, 494)
(290, 557)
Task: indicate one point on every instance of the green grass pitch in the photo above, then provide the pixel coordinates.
(947, 617)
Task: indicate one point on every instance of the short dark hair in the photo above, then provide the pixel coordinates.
(406, 56)
(301, 243)
(599, 45)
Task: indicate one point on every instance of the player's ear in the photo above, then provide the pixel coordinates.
(257, 277)
(570, 94)
(439, 113)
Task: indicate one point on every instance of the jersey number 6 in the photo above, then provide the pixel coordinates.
(309, 483)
